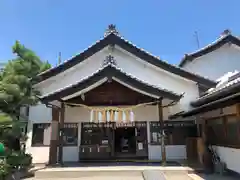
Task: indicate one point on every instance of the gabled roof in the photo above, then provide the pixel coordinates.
(110, 71)
(224, 39)
(115, 39)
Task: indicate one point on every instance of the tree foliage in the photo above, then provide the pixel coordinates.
(17, 79)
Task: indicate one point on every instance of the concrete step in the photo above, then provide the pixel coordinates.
(114, 171)
(125, 177)
(86, 174)
(177, 176)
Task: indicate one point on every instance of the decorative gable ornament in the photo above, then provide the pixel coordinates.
(109, 60)
(111, 29)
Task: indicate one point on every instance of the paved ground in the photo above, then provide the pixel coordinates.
(123, 173)
(212, 177)
(167, 176)
(98, 178)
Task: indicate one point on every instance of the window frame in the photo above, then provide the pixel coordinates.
(46, 125)
(71, 126)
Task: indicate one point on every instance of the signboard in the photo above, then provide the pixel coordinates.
(128, 124)
(179, 124)
(97, 125)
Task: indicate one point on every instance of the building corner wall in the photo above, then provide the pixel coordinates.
(38, 114)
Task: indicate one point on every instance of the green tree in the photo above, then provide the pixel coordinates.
(16, 82)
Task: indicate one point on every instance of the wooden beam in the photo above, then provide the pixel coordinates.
(61, 126)
(160, 116)
(54, 137)
(238, 119)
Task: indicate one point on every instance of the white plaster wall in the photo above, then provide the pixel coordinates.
(70, 154)
(230, 156)
(154, 152)
(74, 74)
(173, 152)
(38, 114)
(216, 63)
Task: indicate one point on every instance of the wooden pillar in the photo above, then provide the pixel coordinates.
(61, 126)
(238, 119)
(204, 137)
(160, 116)
(54, 137)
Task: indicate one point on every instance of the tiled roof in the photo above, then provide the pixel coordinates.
(115, 38)
(223, 39)
(110, 65)
(225, 88)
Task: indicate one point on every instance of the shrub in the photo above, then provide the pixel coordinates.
(5, 169)
(19, 160)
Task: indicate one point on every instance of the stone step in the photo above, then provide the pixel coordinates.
(175, 176)
(86, 174)
(76, 172)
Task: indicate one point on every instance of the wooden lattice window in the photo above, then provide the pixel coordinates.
(70, 134)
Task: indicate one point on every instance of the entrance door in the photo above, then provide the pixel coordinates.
(125, 142)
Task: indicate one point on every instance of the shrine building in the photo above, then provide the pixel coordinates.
(113, 101)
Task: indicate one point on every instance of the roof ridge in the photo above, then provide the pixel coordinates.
(175, 66)
(206, 47)
(69, 59)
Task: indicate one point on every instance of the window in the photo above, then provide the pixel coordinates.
(70, 134)
(232, 127)
(224, 132)
(175, 132)
(155, 133)
(215, 132)
(177, 135)
(41, 134)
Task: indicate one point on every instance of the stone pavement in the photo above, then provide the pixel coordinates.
(154, 175)
(123, 173)
(212, 177)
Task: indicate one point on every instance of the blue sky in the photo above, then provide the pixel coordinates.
(163, 27)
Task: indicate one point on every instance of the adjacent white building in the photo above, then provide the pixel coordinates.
(215, 59)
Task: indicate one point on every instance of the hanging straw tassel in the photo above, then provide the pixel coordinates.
(132, 116)
(108, 116)
(91, 115)
(111, 115)
(120, 115)
(95, 115)
(116, 116)
(127, 115)
(104, 119)
(99, 116)
(124, 116)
